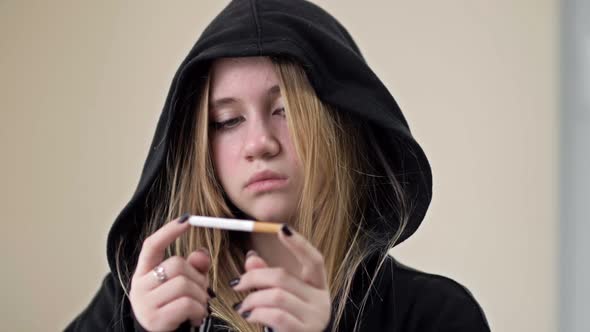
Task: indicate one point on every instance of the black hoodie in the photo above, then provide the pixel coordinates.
(402, 299)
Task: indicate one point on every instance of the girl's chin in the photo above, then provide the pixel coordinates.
(273, 214)
(279, 219)
(275, 207)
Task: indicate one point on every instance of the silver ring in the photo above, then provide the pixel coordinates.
(160, 273)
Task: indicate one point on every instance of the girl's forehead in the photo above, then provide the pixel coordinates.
(246, 76)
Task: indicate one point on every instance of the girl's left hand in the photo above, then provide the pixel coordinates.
(283, 301)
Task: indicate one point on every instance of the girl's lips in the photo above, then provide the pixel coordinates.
(264, 175)
(267, 185)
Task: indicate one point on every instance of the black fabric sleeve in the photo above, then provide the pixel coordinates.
(446, 306)
(109, 310)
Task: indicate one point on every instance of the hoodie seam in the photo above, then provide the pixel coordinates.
(257, 25)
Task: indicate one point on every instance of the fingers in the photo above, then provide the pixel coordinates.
(173, 266)
(275, 297)
(183, 292)
(176, 288)
(152, 251)
(282, 300)
(253, 261)
(272, 278)
(178, 310)
(164, 305)
(311, 260)
(200, 260)
(278, 319)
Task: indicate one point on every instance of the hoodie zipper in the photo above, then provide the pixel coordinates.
(204, 327)
(207, 326)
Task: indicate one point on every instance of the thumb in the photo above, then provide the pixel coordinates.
(253, 261)
(200, 260)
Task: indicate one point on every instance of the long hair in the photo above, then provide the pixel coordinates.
(342, 180)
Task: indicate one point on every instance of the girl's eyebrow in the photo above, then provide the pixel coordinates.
(273, 92)
(220, 103)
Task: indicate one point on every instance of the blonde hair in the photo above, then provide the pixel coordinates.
(327, 142)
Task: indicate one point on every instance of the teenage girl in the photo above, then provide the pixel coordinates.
(274, 115)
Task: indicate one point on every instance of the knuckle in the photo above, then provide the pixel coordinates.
(317, 259)
(185, 303)
(183, 282)
(176, 261)
(174, 266)
(151, 320)
(136, 298)
(198, 311)
(280, 275)
(248, 277)
(198, 276)
(198, 293)
(277, 296)
(147, 243)
(280, 318)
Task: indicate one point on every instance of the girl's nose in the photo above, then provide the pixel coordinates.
(261, 142)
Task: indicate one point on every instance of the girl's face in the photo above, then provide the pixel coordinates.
(250, 139)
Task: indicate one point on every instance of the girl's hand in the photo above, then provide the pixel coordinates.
(283, 301)
(181, 293)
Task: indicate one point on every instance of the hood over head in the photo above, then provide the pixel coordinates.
(335, 68)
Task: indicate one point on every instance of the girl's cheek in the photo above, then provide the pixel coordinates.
(225, 140)
(289, 145)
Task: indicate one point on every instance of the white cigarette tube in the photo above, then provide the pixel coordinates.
(235, 224)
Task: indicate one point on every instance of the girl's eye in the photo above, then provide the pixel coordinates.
(227, 124)
(231, 123)
(280, 110)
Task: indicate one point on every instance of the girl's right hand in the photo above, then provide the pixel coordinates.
(183, 294)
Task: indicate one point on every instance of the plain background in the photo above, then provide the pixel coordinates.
(82, 86)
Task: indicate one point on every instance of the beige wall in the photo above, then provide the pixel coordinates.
(82, 86)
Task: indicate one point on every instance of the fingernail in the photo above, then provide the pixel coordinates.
(251, 253)
(234, 282)
(211, 293)
(184, 218)
(246, 314)
(237, 306)
(286, 230)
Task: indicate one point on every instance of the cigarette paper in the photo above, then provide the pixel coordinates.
(235, 224)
